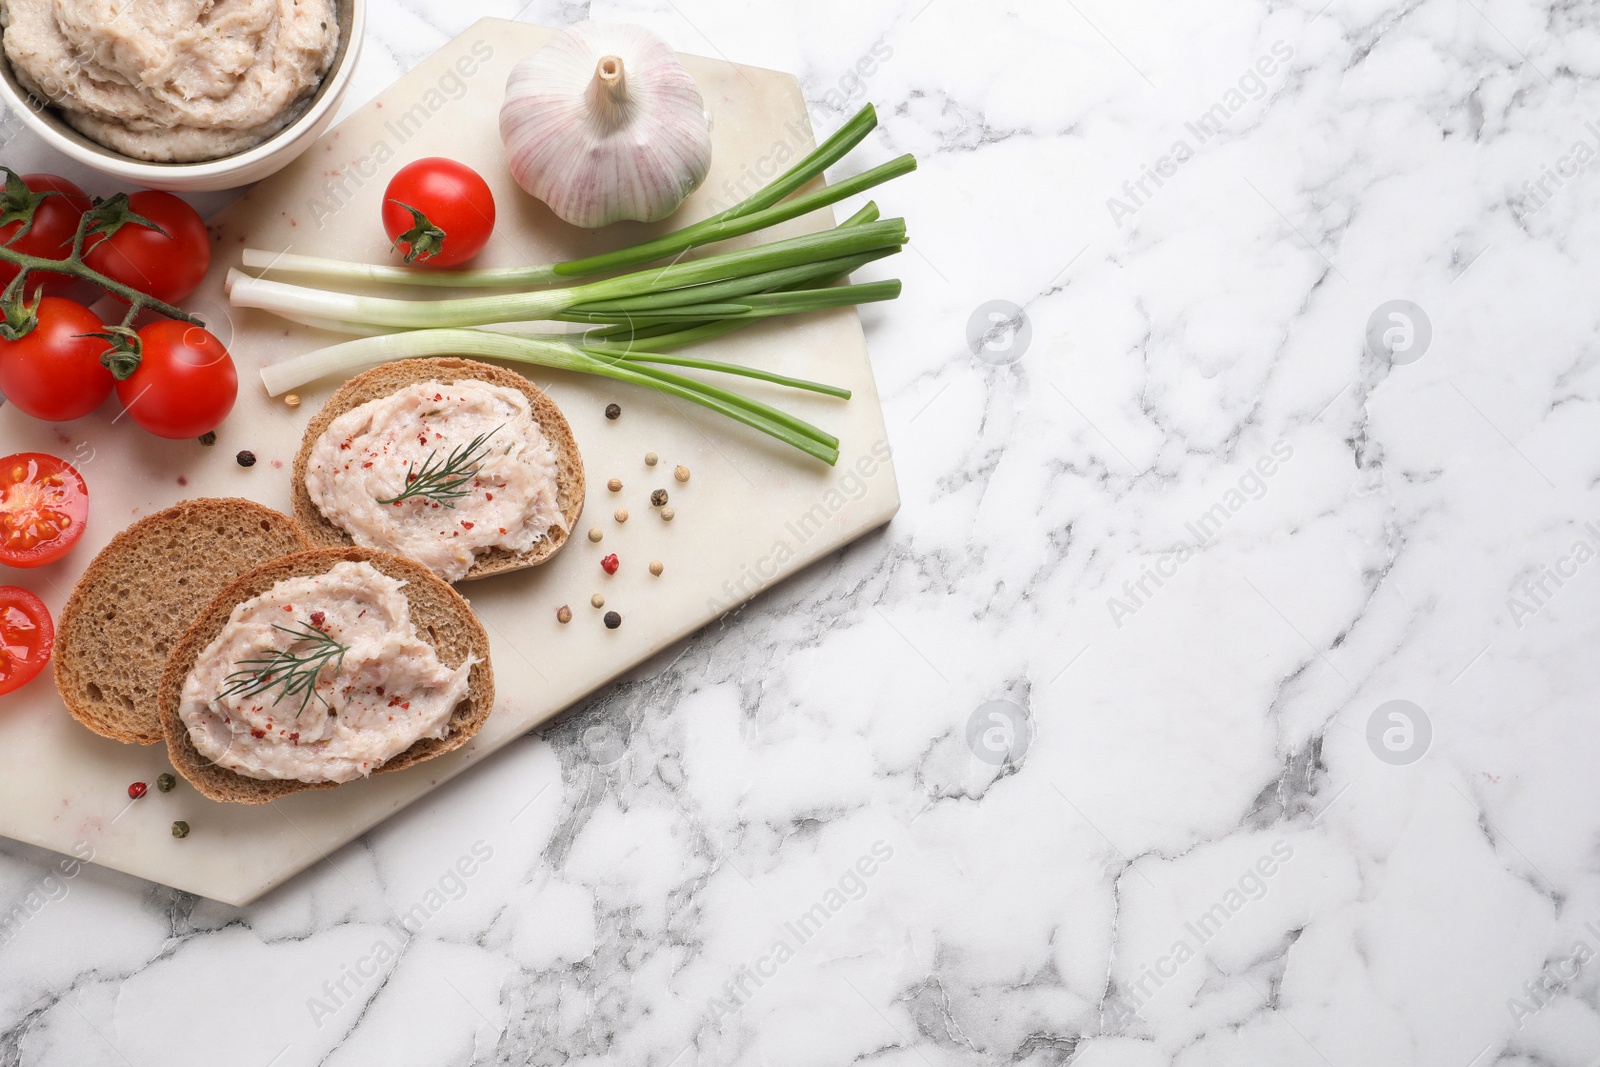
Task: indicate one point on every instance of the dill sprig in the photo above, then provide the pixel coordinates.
(291, 673)
(443, 480)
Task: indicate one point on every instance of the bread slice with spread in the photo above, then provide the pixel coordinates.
(138, 596)
(463, 466)
(320, 668)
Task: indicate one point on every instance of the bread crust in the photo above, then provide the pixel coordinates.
(138, 596)
(441, 616)
(391, 378)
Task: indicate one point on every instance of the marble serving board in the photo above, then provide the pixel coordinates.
(753, 511)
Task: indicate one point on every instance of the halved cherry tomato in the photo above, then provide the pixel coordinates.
(168, 266)
(438, 212)
(44, 506)
(26, 637)
(185, 383)
(55, 221)
(53, 372)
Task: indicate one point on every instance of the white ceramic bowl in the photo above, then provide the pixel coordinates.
(242, 168)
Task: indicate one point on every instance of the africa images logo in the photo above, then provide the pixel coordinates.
(1399, 332)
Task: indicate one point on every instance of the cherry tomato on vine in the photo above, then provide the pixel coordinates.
(184, 384)
(44, 506)
(438, 212)
(180, 384)
(53, 372)
(55, 221)
(168, 266)
(26, 637)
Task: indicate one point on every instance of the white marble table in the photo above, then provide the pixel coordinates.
(1092, 755)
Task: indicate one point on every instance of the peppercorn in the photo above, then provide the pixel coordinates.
(668, 514)
(613, 620)
(208, 438)
(656, 568)
(563, 614)
(166, 783)
(613, 411)
(595, 534)
(610, 564)
(622, 515)
(293, 400)
(598, 601)
(659, 498)
(180, 829)
(615, 485)
(245, 458)
(137, 790)
(651, 459)
(681, 473)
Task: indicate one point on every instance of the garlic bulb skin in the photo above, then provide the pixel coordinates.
(603, 124)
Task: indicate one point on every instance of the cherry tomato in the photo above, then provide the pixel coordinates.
(185, 383)
(55, 221)
(167, 266)
(44, 506)
(53, 372)
(26, 637)
(456, 206)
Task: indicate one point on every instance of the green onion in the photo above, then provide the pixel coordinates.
(635, 294)
(352, 356)
(637, 322)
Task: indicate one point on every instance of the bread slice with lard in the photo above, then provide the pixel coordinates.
(391, 378)
(442, 618)
(138, 596)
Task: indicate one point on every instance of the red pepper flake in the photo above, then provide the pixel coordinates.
(137, 790)
(295, 737)
(345, 447)
(406, 705)
(489, 496)
(610, 564)
(288, 607)
(318, 618)
(258, 734)
(465, 525)
(502, 529)
(367, 464)
(438, 396)
(380, 690)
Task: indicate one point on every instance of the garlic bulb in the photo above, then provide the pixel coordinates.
(603, 123)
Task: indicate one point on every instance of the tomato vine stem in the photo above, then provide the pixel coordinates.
(112, 212)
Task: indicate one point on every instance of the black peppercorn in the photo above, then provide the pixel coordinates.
(613, 620)
(659, 497)
(613, 411)
(246, 458)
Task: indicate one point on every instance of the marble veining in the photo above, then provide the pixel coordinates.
(1221, 694)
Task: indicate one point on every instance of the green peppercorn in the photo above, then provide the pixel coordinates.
(180, 829)
(208, 438)
(166, 783)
